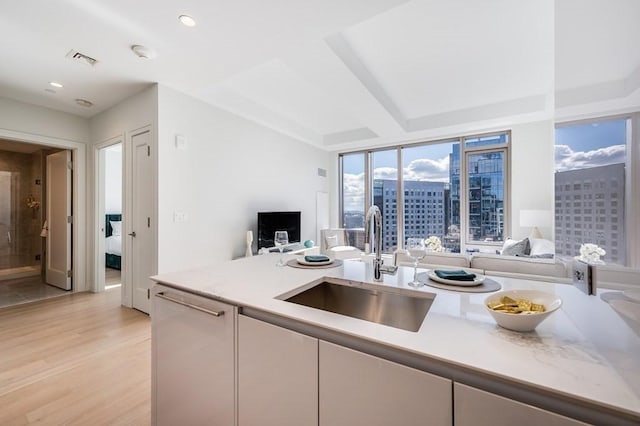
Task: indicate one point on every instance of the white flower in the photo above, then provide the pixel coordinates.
(433, 243)
(591, 253)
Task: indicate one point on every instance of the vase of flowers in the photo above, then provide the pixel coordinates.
(591, 253)
(433, 243)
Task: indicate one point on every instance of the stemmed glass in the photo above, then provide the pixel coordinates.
(417, 251)
(281, 239)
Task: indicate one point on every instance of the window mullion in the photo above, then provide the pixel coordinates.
(400, 202)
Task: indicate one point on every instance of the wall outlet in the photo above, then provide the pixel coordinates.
(37, 257)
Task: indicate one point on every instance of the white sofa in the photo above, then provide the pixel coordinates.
(552, 270)
(555, 270)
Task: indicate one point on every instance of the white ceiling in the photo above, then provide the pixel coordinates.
(337, 74)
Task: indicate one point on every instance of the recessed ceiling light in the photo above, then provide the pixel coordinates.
(56, 84)
(187, 20)
(84, 103)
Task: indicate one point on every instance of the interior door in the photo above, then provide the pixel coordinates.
(141, 234)
(58, 187)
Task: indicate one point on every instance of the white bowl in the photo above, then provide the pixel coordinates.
(523, 322)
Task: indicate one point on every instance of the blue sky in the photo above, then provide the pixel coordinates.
(590, 145)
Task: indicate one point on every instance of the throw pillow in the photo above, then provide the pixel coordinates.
(515, 247)
(116, 228)
(331, 240)
(541, 246)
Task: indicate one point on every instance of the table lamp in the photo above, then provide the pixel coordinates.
(535, 219)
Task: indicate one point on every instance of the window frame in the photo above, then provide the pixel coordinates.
(464, 150)
(632, 177)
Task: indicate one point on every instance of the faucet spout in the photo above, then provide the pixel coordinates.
(374, 213)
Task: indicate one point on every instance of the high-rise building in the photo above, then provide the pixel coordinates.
(424, 209)
(485, 189)
(589, 207)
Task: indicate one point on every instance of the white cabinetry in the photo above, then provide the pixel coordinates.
(474, 407)
(360, 389)
(193, 361)
(277, 375)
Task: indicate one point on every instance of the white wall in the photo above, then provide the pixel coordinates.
(113, 179)
(133, 113)
(231, 169)
(36, 120)
(532, 174)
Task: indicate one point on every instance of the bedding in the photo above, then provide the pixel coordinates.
(113, 241)
(113, 245)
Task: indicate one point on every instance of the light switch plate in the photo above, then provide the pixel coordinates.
(181, 142)
(180, 217)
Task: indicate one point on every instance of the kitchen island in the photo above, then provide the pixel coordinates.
(582, 364)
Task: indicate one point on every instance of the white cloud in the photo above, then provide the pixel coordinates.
(429, 170)
(421, 170)
(568, 159)
(353, 187)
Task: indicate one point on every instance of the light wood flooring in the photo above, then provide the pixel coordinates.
(81, 359)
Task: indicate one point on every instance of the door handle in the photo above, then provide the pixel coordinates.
(133, 234)
(189, 305)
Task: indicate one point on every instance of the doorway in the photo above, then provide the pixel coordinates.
(109, 210)
(24, 261)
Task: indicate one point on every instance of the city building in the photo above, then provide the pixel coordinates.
(590, 209)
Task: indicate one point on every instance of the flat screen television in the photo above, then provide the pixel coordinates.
(270, 222)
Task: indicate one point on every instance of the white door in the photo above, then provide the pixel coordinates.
(141, 234)
(58, 259)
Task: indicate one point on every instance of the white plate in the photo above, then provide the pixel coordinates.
(479, 280)
(304, 262)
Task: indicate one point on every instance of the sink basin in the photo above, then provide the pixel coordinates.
(399, 310)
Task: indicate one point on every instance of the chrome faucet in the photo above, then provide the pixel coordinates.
(374, 212)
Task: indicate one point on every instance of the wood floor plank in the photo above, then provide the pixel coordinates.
(78, 359)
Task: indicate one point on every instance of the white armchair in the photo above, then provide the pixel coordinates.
(333, 243)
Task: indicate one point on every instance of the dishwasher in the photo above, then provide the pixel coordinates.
(193, 359)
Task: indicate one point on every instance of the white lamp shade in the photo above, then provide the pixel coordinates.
(534, 219)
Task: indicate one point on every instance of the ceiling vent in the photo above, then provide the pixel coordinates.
(81, 58)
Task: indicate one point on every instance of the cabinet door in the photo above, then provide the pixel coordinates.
(474, 407)
(360, 389)
(277, 375)
(193, 360)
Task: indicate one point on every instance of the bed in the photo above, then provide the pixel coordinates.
(113, 243)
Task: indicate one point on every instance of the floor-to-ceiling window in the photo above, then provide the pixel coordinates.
(455, 190)
(591, 186)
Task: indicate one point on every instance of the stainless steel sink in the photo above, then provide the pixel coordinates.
(383, 307)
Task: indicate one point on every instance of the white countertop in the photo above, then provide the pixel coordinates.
(585, 350)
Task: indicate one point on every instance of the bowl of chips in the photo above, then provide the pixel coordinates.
(521, 310)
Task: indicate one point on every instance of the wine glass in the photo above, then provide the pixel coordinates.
(417, 251)
(281, 239)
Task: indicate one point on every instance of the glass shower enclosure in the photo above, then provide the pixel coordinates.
(20, 214)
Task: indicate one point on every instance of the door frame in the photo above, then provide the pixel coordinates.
(80, 239)
(127, 193)
(99, 214)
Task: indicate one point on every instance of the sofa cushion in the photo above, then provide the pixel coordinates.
(519, 265)
(540, 246)
(331, 240)
(515, 247)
